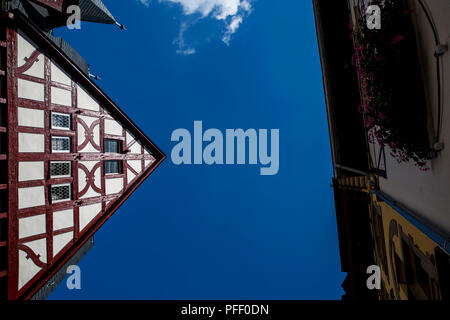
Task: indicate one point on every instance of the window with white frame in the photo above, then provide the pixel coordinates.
(60, 144)
(60, 169)
(60, 121)
(61, 192)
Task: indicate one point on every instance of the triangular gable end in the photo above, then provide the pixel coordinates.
(79, 158)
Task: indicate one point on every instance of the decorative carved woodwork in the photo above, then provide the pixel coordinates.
(35, 256)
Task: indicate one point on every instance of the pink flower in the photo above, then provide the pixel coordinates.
(423, 166)
(369, 123)
(397, 39)
(407, 11)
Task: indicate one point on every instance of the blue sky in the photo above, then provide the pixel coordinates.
(216, 232)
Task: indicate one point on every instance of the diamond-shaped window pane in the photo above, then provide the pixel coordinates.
(61, 144)
(60, 121)
(61, 192)
(58, 169)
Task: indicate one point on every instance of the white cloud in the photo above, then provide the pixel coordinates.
(232, 28)
(186, 52)
(145, 2)
(183, 49)
(219, 9)
(229, 12)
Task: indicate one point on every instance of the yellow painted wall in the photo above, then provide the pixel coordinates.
(421, 241)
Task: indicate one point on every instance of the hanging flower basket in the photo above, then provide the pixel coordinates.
(390, 81)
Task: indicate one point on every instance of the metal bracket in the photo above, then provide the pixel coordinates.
(440, 49)
(438, 146)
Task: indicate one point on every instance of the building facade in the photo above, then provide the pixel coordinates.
(386, 90)
(69, 156)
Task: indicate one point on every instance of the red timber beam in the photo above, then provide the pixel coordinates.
(82, 79)
(104, 101)
(12, 163)
(87, 235)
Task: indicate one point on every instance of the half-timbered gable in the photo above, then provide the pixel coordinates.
(73, 158)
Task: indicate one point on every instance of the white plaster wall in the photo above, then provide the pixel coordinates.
(30, 117)
(113, 127)
(148, 162)
(31, 226)
(136, 165)
(61, 96)
(25, 48)
(30, 90)
(39, 247)
(31, 197)
(63, 219)
(31, 142)
(58, 75)
(428, 193)
(129, 137)
(85, 101)
(60, 241)
(27, 268)
(37, 69)
(130, 176)
(136, 148)
(31, 170)
(88, 213)
(114, 185)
